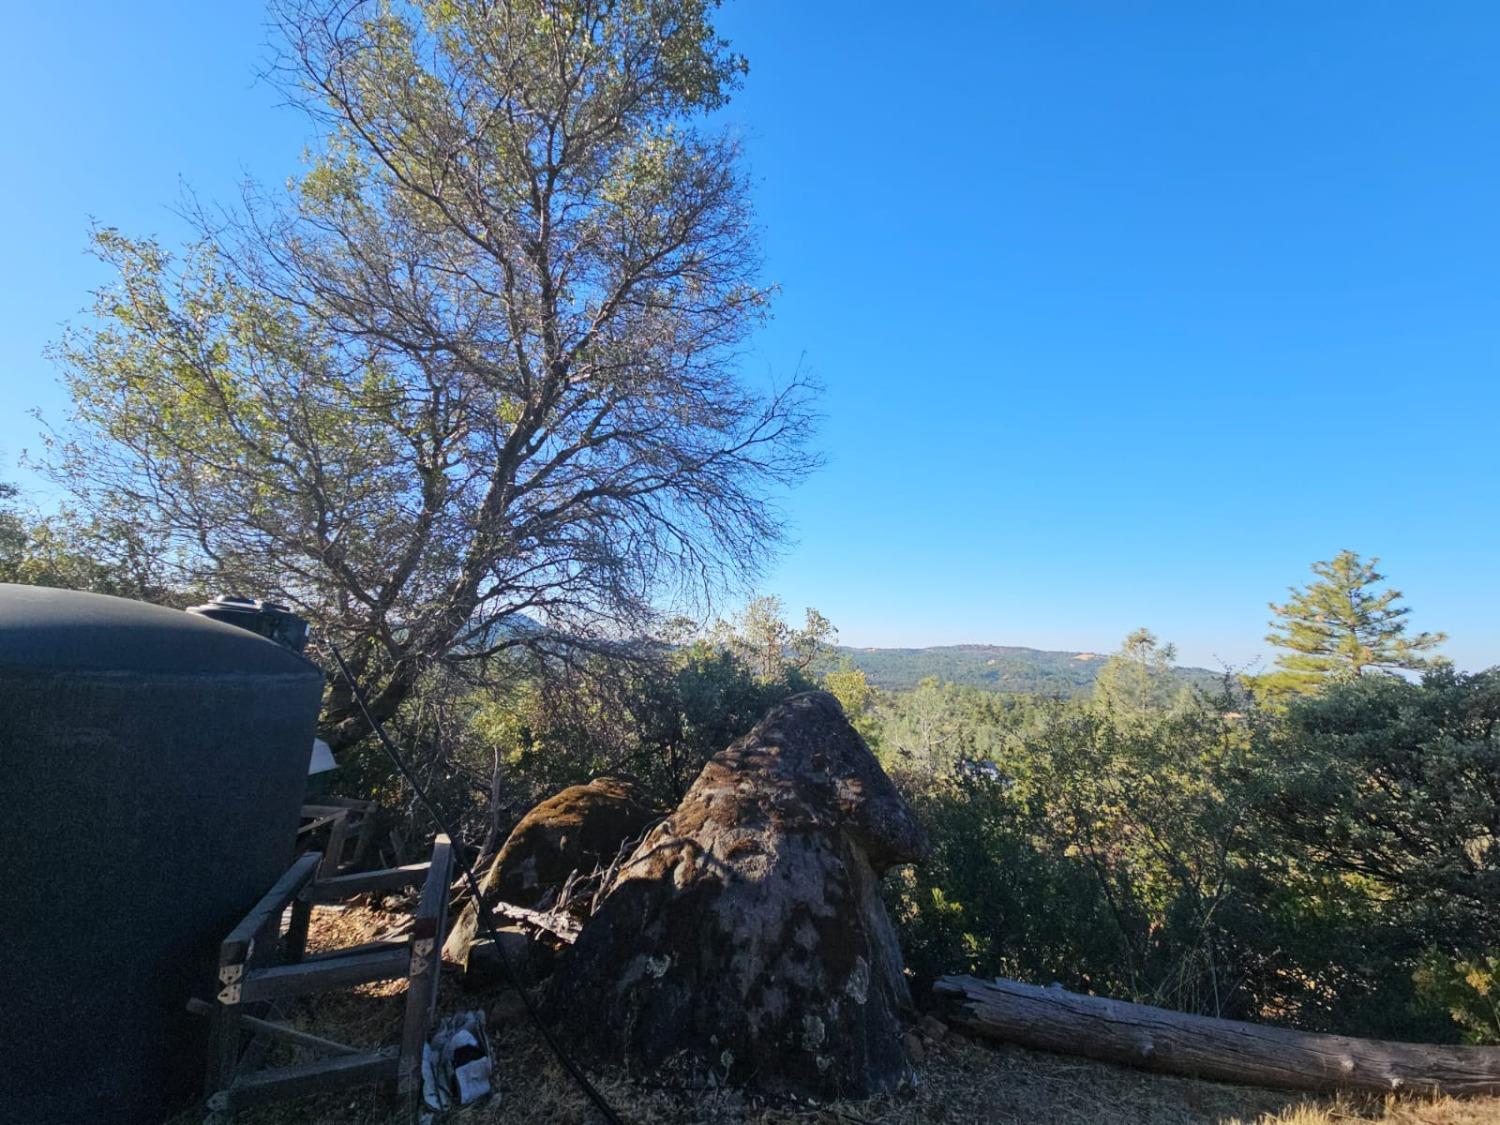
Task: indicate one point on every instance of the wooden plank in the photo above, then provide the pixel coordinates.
(364, 947)
(265, 947)
(357, 804)
(324, 976)
(279, 1030)
(296, 931)
(365, 835)
(425, 966)
(333, 853)
(236, 946)
(329, 809)
(421, 993)
(398, 844)
(314, 1077)
(320, 822)
(432, 907)
(254, 1054)
(346, 886)
(223, 1047)
(1204, 1047)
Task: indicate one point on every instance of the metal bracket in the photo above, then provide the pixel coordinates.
(231, 977)
(421, 952)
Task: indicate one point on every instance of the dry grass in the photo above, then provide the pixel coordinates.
(961, 1080)
(1391, 1111)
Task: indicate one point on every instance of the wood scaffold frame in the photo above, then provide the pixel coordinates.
(260, 968)
(343, 819)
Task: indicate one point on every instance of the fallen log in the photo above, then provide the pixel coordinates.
(1051, 1019)
(564, 927)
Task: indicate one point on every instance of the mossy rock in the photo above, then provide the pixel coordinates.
(746, 936)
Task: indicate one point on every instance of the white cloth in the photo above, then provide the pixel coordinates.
(445, 1084)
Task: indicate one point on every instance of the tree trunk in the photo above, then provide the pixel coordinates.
(345, 724)
(1203, 1047)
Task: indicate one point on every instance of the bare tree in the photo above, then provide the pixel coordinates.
(481, 368)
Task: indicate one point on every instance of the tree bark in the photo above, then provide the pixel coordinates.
(1203, 1047)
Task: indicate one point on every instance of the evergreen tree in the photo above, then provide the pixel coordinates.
(761, 639)
(1139, 678)
(1340, 627)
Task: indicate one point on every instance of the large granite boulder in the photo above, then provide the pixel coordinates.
(746, 934)
(578, 829)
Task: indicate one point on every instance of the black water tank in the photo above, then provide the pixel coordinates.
(152, 765)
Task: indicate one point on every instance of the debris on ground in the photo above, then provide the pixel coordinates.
(960, 1081)
(456, 1063)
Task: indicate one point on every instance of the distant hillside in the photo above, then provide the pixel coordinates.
(992, 668)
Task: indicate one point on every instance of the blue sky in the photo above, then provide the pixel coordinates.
(1126, 312)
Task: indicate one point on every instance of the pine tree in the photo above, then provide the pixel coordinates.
(1139, 678)
(1340, 627)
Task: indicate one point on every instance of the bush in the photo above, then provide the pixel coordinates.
(1466, 989)
(1333, 867)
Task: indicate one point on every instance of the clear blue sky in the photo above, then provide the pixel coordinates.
(1126, 312)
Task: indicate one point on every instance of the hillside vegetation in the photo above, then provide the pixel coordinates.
(483, 365)
(1005, 668)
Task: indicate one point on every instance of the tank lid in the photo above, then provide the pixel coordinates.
(42, 628)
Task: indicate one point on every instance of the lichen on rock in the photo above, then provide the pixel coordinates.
(749, 925)
(578, 829)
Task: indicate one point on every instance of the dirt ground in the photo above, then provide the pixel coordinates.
(959, 1080)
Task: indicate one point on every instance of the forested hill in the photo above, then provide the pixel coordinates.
(992, 667)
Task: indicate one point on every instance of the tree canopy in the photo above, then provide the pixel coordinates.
(481, 363)
(762, 639)
(1139, 677)
(1340, 627)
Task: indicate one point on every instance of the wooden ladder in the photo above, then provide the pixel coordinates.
(260, 968)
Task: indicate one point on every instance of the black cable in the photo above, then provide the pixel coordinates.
(486, 919)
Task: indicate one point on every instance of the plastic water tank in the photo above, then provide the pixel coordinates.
(152, 765)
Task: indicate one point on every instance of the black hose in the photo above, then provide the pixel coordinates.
(486, 919)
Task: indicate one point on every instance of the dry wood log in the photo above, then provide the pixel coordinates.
(1203, 1047)
(279, 1030)
(580, 829)
(563, 927)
